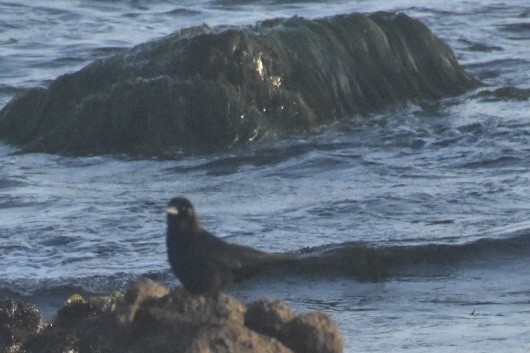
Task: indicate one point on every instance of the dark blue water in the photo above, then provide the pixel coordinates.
(449, 173)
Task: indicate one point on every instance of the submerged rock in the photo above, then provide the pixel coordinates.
(204, 88)
(150, 318)
(505, 93)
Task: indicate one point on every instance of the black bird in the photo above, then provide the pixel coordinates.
(203, 263)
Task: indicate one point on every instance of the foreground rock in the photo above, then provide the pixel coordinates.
(149, 318)
(19, 322)
(203, 89)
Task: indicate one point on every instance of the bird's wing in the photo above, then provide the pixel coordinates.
(250, 257)
(216, 250)
(235, 256)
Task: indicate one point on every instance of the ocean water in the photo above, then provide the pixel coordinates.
(452, 174)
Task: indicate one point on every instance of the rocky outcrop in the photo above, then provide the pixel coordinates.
(150, 318)
(205, 88)
(312, 332)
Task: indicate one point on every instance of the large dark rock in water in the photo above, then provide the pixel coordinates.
(150, 318)
(201, 89)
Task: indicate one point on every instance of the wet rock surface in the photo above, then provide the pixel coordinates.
(151, 318)
(204, 89)
(19, 322)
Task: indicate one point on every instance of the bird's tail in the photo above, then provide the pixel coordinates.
(266, 263)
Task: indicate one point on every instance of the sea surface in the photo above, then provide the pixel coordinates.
(453, 173)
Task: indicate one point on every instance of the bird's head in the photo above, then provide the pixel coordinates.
(181, 215)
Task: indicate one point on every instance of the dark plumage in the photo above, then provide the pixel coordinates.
(203, 263)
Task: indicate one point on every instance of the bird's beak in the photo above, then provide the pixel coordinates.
(173, 211)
